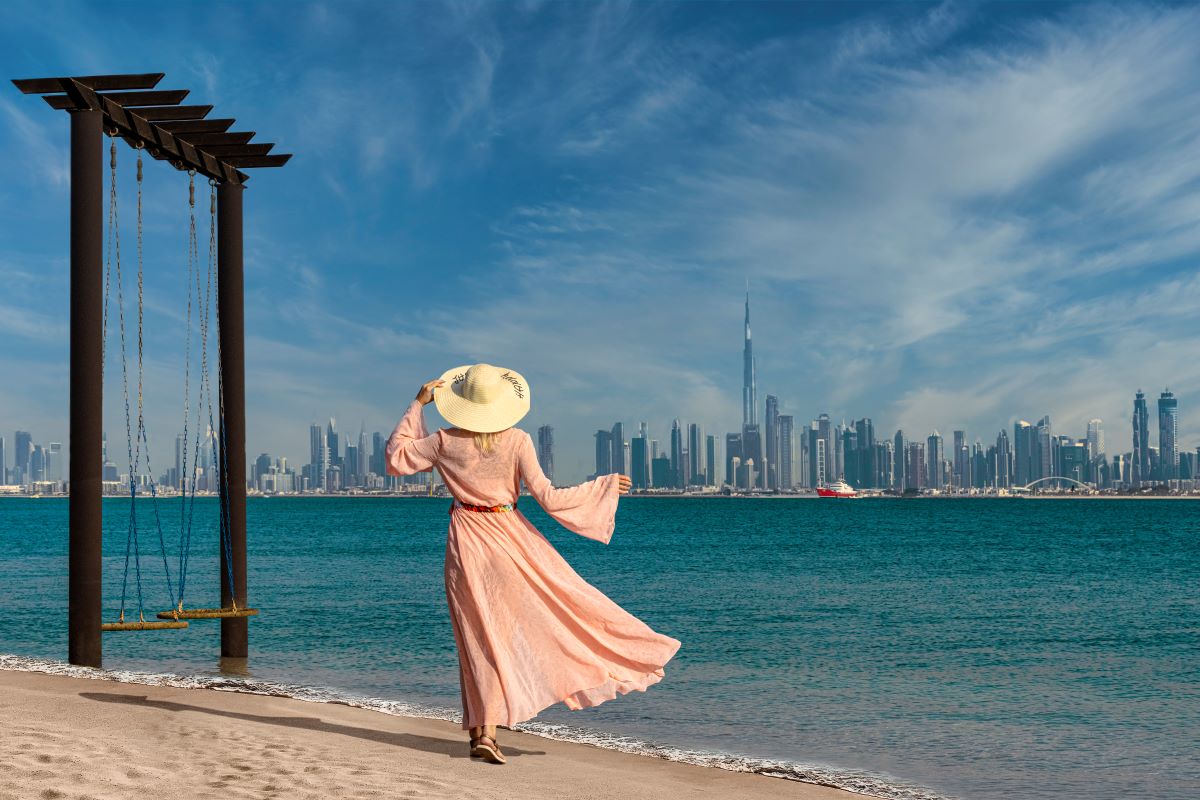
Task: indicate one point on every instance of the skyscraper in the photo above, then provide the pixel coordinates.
(604, 452)
(900, 454)
(22, 452)
(914, 472)
(733, 451)
(1140, 468)
(771, 462)
(696, 463)
(54, 462)
(749, 387)
(962, 456)
(710, 460)
(3, 463)
(333, 444)
(678, 468)
(318, 461)
(1168, 427)
(1046, 449)
(787, 451)
(1003, 466)
(618, 449)
(639, 474)
(545, 450)
(1095, 438)
(933, 460)
(364, 465)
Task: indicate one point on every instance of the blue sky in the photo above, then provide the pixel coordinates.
(950, 215)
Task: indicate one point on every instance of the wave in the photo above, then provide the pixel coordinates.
(848, 780)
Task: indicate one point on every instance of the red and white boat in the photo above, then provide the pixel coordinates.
(836, 489)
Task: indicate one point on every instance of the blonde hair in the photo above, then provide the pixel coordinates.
(486, 442)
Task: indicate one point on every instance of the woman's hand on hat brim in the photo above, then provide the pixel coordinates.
(425, 394)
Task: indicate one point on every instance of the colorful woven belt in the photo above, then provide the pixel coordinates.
(484, 509)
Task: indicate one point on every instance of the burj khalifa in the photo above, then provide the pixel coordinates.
(749, 389)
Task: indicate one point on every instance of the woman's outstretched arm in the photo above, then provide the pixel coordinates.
(410, 448)
(588, 509)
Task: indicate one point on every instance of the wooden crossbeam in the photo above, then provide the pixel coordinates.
(174, 112)
(197, 126)
(223, 150)
(258, 161)
(98, 83)
(153, 119)
(201, 139)
(125, 99)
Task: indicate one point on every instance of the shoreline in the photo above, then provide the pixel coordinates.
(549, 759)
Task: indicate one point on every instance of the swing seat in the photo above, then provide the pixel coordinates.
(208, 613)
(142, 625)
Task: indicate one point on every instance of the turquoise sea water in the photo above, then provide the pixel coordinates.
(939, 648)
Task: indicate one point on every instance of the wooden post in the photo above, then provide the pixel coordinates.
(87, 389)
(231, 318)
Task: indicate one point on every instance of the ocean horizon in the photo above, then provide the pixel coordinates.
(971, 648)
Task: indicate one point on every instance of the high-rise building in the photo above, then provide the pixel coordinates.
(1095, 438)
(333, 444)
(660, 472)
(749, 380)
(54, 462)
(899, 448)
(914, 471)
(1140, 467)
(646, 457)
(364, 465)
(771, 459)
(604, 452)
(1168, 428)
(733, 450)
(933, 460)
(864, 456)
(377, 454)
(696, 466)
(752, 455)
(961, 457)
(787, 452)
(639, 475)
(1002, 469)
(678, 467)
(22, 452)
(545, 450)
(3, 463)
(710, 460)
(318, 464)
(618, 450)
(1046, 447)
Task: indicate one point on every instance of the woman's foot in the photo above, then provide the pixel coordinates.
(487, 748)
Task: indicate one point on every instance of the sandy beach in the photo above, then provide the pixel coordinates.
(77, 738)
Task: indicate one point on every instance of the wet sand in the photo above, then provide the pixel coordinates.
(77, 738)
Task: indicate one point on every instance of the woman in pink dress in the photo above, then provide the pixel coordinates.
(529, 631)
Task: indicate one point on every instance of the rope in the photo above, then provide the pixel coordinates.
(186, 509)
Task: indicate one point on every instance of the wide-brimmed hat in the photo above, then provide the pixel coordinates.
(482, 398)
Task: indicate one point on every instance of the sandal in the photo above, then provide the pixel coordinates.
(487, 748)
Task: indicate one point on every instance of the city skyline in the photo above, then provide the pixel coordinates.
(777, 455)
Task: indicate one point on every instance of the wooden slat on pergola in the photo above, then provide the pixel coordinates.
(156, 120)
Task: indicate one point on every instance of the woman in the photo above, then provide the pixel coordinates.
(529, 631)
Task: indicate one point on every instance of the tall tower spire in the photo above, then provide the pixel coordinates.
(749, 389)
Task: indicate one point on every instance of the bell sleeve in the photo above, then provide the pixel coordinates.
(589, 509)
(410, 448)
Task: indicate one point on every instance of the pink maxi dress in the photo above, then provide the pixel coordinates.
(530, 632)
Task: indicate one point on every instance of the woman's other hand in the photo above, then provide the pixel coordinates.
(425, 395)
(623, 484)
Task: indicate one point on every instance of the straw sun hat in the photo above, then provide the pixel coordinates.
(482, 398)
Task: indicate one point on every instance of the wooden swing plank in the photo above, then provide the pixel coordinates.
(143, 626)
(209, 613)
